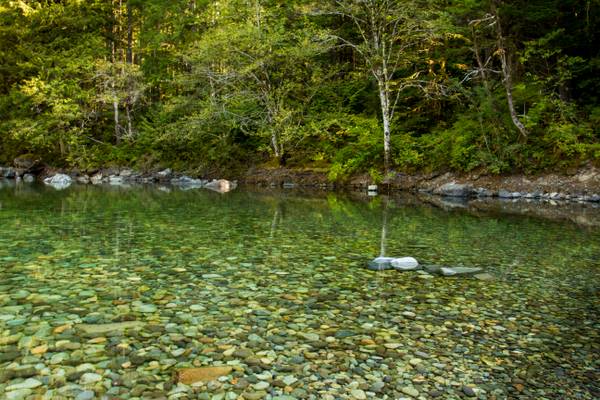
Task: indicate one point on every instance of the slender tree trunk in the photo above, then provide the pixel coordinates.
(507, 76)
(129, 55)
(275, 144)
(116, 116)
(129, 125)
(384, 100)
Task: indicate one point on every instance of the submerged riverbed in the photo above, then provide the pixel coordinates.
(274, 285)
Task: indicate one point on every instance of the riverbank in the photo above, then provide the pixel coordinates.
(582, 185)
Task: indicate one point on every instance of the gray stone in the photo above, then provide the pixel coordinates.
(380, 263)
(115, 180)
(59, 181)
(85, 395)
(454, 271)
(146, 308)
(97, 178)
(19, 394)
(483, 192)
(410, 391)
(185, 182)
(8, 173)
(453, 189)
(90, 378)
(468, 391)
(29, 383)
(164, 174)
(221, 185)
(126, 173)
(28, 178)
(505, 194)
(405, 264)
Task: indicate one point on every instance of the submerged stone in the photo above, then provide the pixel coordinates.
(454, 271)
(98, 329)
(190, 376)
(405, 264)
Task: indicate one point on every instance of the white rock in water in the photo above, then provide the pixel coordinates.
(405, 263)
(59, 181)
(372, 188)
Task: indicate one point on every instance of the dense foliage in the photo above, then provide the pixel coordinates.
(348, 86)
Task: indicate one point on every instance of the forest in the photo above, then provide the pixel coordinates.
(344, 87)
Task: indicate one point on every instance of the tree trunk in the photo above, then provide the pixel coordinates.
(275, 144)
(129, 55)
(385, 112)
(129, 125)
(116, 115)
(506, 76)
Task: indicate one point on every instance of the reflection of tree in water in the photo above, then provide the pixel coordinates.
(384, 227)
(278, 216)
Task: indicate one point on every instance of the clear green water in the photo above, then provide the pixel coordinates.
(275, 286)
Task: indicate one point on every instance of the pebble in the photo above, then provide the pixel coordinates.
(20, 394)
(262, 385)
(86, 395)
(468, 391)
(90, 377)
(358, 394)
(29, 383)
(410, 391)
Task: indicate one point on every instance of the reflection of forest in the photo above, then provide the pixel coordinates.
(480, 233)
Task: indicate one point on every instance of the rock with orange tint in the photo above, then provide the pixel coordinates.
(39, 349)
(189, 376)
(62, 328)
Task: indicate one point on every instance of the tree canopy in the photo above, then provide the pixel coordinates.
(346, 86)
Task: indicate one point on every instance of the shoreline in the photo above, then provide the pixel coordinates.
(582, 186)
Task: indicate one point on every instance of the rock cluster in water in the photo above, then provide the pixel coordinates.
(411, 264)
(466, 190)
(124, 177)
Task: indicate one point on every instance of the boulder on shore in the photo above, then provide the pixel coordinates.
(453, 189)
(59, 181)
(26, 162)
(7, 172)
(186, 182)
(28, 178)
(221, 185)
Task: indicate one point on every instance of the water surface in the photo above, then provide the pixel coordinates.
(274, 285)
